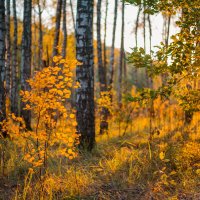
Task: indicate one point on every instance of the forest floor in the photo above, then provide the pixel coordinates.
(128, 167)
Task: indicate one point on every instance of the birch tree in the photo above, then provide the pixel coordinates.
(57, 28)
(26, 58)
(112, 56)
(15, 81)
(101, 70)
(105, 37)
(85, 74)
(40, 39)
(72, 13)
(121, 59)
(2, 64)
(64, 29)
(8, 50)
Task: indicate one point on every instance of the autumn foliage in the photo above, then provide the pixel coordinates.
(54, 131)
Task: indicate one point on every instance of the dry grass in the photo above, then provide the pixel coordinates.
(120, 167)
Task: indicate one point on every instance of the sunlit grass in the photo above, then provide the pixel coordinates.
(121, 165)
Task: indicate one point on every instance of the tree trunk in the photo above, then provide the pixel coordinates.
(144, 40)
(15, 80)
(137, 25)
(40, 40)
(168, 30)
(150, 49)
(85, 74)
(64, 29)
(8, 53)
(144, 27)
(57, 29)
(136, 42)
(2, 64)
(26, 58)
(72, 11)
(121, 59)
(35, 59)
(101, 70)
(150, 32)
(105, 37)
(112, 56)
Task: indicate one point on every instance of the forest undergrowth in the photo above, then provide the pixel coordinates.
(122, 166)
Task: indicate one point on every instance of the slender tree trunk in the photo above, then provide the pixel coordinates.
(121, 59)
(150, 33)
(101, 70)
(57, 29)
(2, 64)
(72, 11)
(64, 29)
(112, 56)
(34, 66)
(8, 52)
(105, 37)
(85, 74)
(47, 54)
(26, 58)
(125, 67)
(144, 26)
(150, 45)
(15, 71)
(144, 39)
(40, 40)
(136, 41)
(168, 31)
(137, 25)
(166, 28)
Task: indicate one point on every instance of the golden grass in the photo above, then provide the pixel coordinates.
(122, 167)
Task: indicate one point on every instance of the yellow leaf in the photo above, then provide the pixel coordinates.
(72, 116)
(162, 155)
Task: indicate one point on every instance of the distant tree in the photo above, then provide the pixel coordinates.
(85, 74)
(121, 58)
(2, 64)
(112, 56)
(26, 58)
(64, 29)
(101, 70)
(144, 25)
(166, 28)
(136, 41)
(137, 25)
(40, 39)
(8, 50)
(57, 27)
(72, 12)
(105, 37)
(15, 71)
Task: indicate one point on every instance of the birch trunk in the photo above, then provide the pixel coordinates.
(8, 53)
(121, 59)
(26, 58)
(112, 56)
(2, 64)
(57, 29)
(105, 37)
(72, 12)
(40, 40)
(101, 71)
(136, 41)
(64, 29)
(15, 71)
(85, 74)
